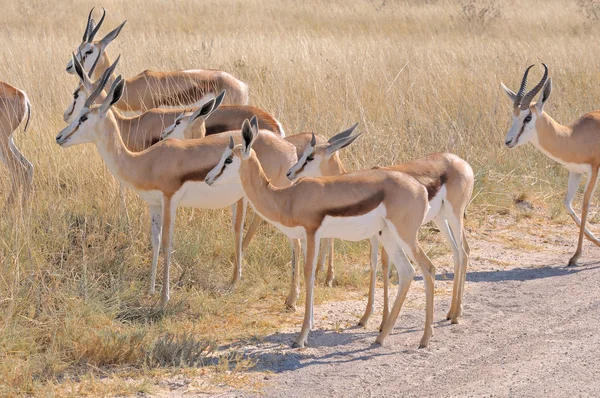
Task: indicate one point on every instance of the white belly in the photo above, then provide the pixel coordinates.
(574, 167)
(354, 228)
(200, 195)
(435, 204)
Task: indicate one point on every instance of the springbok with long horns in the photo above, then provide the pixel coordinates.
(374, 204)
(575, 146)
(152, 89)
(171, 173)
(14, 107)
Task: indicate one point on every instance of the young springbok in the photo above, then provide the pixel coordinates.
(449, 181)
(172, 172)
(378, 204)
(152, 89)
(575, 146)
(14, 106)
(226, 118)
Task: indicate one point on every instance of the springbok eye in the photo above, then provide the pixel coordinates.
(75, 94)
(88, 52)
(177, 123)
(527, 118)
(310, 158)
(228, 160)
(83, 118)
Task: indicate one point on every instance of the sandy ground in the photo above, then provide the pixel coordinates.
(530, 328)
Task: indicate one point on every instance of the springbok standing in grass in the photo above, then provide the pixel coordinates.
(171, 173)
(387, 205)
(14, 106)
(152, 89)
(576, 146)
(449, 182)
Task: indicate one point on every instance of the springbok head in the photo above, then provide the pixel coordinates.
(227, 171)
(317, 158)
(92, 123)
(525, 115)
(186, 121)
(85, 88)
(90, 52)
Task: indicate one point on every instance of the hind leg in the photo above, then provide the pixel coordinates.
(455, 222)
(370, 302)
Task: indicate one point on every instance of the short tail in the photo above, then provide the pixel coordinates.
(28, 113)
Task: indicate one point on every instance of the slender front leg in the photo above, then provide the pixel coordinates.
(156, 230)
(310, 260)
(292, 298)
(587, 196)
(385, 263)
(330, 275)
(169, 210)
(371, 300)
(251, 231)
(238, 225)
(574, 181)
(322, 255)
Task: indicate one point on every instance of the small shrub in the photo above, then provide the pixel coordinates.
(184, 350)
(480, 12)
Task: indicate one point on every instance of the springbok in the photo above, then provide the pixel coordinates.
(576, 146)
(14, 106)
(172, 172)
(449, 181)
(383, 205)
(226, 118)
(152, 89)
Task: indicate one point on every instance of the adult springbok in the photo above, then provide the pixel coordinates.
(449, 182)
(576, 146)
(14, 106)
(152, 89)
(142, 131)
(172, 172)
(383, 205)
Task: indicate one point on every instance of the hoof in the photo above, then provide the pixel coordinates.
(362, 324)
(454, 321)
(328, 283)
(572, 263)
(290, 307)
(297, 345)
(422, 346)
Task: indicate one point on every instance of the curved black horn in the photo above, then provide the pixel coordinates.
(523, 87)
(88, 26)
(93, 33)
(529, 96)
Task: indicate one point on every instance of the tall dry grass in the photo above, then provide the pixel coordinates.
(420, 77)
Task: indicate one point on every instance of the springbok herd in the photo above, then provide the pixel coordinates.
(210, 155)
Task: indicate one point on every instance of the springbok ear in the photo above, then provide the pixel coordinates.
(114, 95)
(545, 95)
(249, 135)
(219, 100)
(204, 111)
(83, 77)
(231, 143)
(112, 35)
(339, 144)
(313, 140)
(343, 134)
(509, 92)
(254, 125)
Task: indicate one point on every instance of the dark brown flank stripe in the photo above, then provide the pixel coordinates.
(356, 209)
(435, 185)
(197, 175)
(218, 128)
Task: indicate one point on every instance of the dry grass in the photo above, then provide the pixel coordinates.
(418, 76)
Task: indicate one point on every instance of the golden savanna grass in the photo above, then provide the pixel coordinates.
(420, 77)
